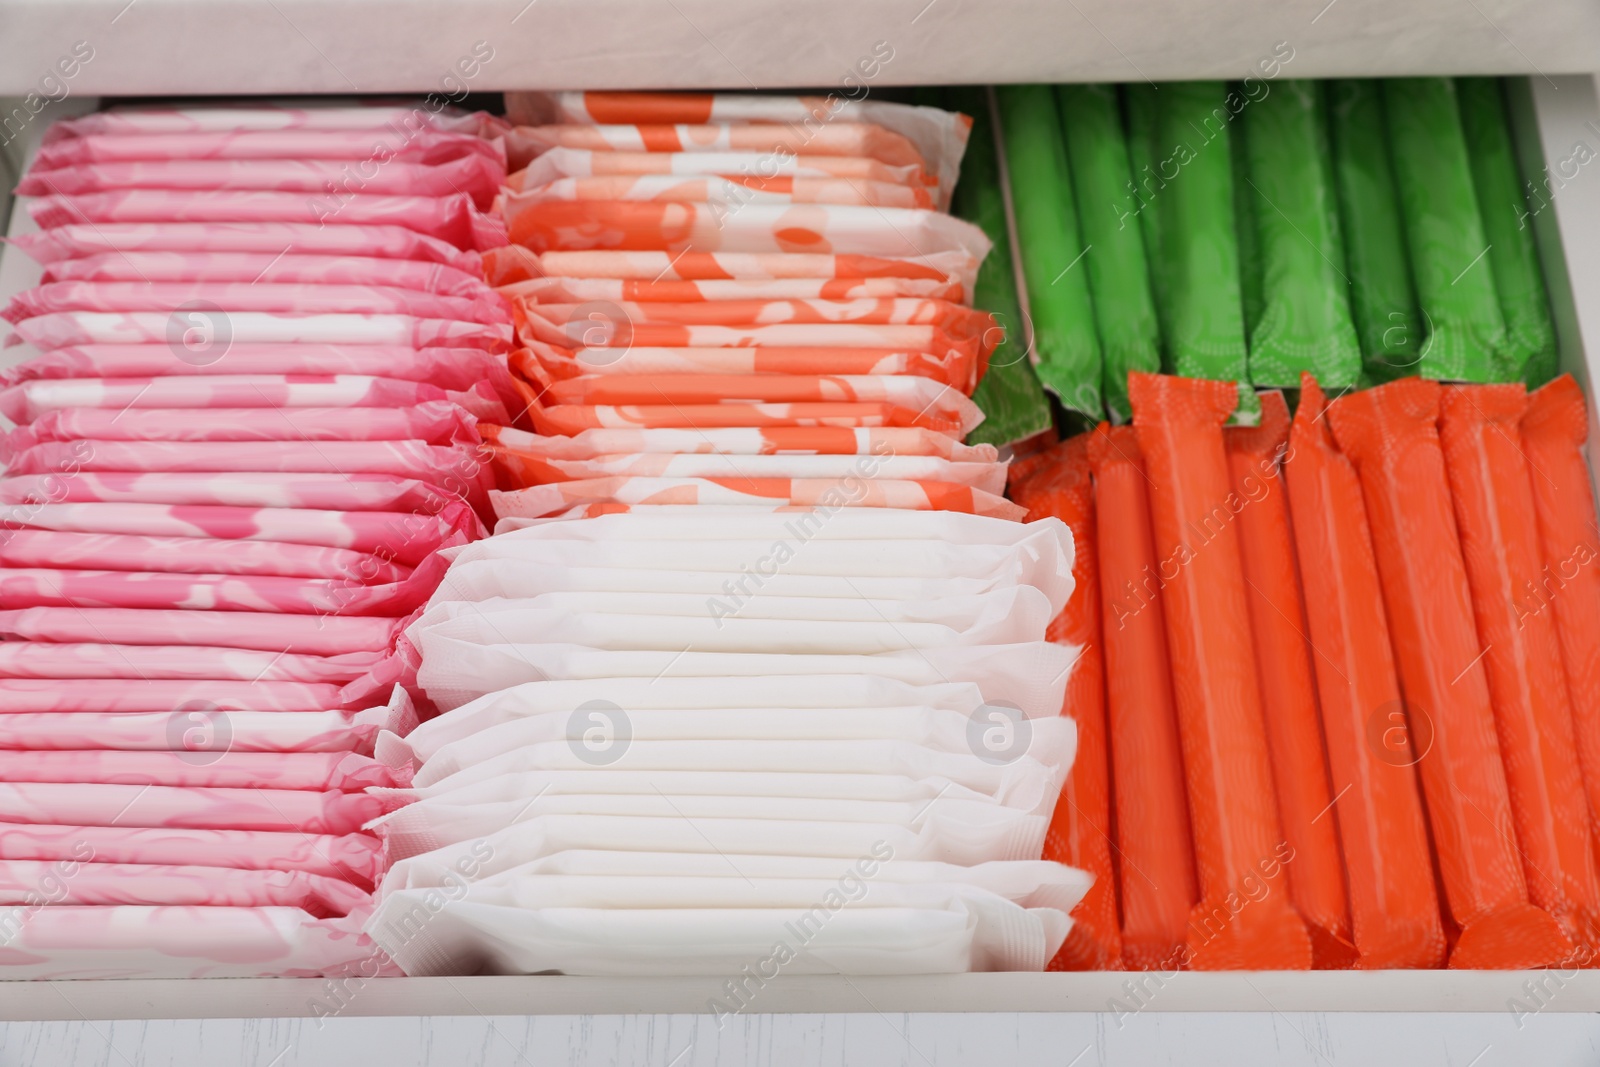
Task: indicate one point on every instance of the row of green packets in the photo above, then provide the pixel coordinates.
(1360, 230)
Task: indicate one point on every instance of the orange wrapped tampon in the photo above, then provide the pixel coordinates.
(1554, 429)
(1390, 436)
(1244, 920)
(1080, 829)
(1394, 906)
(1156, 868)
(1288, 687)
(1522, 654)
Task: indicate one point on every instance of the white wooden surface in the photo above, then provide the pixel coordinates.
(366, 46)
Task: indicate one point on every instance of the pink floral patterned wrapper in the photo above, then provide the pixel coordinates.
(347, 772)
(402, 459)
(38, 587)
(585, 290)
(205, 334)
(539, 361)
(573, 419)
(201, 733)
(112, 884)
(408, 537)
(940, 136)
(100, 804)
(523, 143)
(804, 492)
(559, 163)
(211, 119)
(356, 858)
(451, 369)
(436, 422)
(476, 175)
(313, 635)
(191, 555)
(624, 225)
(732, 191)
(163, 695)
(280, 298)
(258, 489)
(290, 268)
(31, 659)
(502, 266)
(452, 219)
(260, 238)
(421, 146)
(70, 942)
(740, 441)
(521, 470)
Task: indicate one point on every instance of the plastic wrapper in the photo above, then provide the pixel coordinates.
(739, 441)
(1388, 433)
(453, 369)
(539, 361)
(962, 350)
(1494, 508)
(828, 229)
(407, 537)
(1248, 204)
(1065, 349)
(78, 239)
(299, 299)
(526, 470)
(1142, 108)
(355, 858)
(415, 459)
(369, 145)
(1305, 322)
(476, 175)
(65, 328)
(1204, 329)
(559, 163)
(1444, 231)
(1394, 907)
(304, 635)
(227, 118)
(1009, 394)
(514, 263)
(1553, 432)
(672, 524)
(1119, 279)
(291, 268)
(1530, 348)
(732, 192)
(453, 219)
(100, 804)
(437, 422)
(804, 492)
(187, 942)
(1156, 875)
(103, 695)
(1080, 829)
(317, 771)
(832, 139)
(113, 884)
(356, 492)
(25, 659)
(562, 290)
(955, 319)
(1288, 686)
(571, 419)
(53, 548)
(938, 135)
(200, 732)
(28, 400)
(1239, 847)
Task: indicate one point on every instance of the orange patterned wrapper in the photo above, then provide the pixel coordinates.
(1489, 481)
(740, 441)
(513, 263)
(834, 139)
(562, 290)
(1554, 430)
(1156, 869)
(1394, 905)
(1389, 433)
(1080, 828)
(539, 360)
(1244, 920)
(731, 190)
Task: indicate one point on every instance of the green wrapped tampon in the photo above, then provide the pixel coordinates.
(1530, 349)
(1382, 301)
(1142, 110)
(1066, 348)
(1010, 397)
(1197, 233)
(1444, 232)
(1245, 200)
(1119, 278)
(1305, 323)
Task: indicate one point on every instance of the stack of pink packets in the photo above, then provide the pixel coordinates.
(264, 346)
(733, 300)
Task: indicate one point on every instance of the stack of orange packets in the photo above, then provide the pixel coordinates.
(740, 301)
